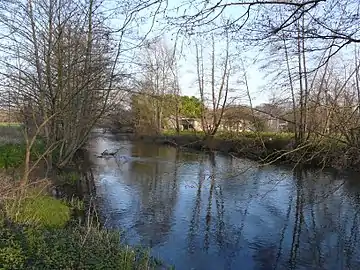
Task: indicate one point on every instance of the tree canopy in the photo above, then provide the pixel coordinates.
(190, 106)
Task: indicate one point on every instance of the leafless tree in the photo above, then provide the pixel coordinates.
(61, 68)
(159, 86)
(213, 82)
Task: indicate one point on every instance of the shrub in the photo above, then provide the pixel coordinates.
(70, 248)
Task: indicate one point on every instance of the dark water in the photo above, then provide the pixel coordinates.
(198, 212)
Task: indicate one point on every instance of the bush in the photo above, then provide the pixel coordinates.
(70, 248)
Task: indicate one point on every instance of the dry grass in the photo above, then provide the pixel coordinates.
(10, 133)
(7, 186)
(10, 186)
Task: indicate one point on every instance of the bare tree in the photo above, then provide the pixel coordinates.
(159, 86)
(62, 68)
(216, 83)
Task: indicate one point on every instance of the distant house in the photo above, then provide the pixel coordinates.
(185, 123)
(237, 119)
(234, 119)
(274, 124)
(273, 117)
(191, 124)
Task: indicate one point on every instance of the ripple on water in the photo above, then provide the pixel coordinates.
(198, 213)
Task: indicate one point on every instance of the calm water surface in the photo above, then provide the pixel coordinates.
(199, 212)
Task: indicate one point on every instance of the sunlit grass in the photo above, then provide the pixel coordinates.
(36, 231)
(11, 124)
(172, 132)
(37, 234)
(37, 210)
(226, 135)
(23, 247)
(254, 135)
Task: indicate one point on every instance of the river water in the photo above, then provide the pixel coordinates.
(196, 211)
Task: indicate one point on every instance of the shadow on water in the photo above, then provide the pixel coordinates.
(197, 211)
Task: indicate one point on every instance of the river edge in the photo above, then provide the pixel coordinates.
(264, 151)
(154, 174)
(71, 193)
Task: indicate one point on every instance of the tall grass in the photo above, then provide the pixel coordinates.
(172, 132)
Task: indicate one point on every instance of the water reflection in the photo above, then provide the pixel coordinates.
(201, 212)
(158, 191)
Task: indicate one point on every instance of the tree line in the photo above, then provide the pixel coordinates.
(66, 64)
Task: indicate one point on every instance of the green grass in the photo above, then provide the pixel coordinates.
(38, 235)
(12, 155)
(235, 135)
(23, 247)
(12, 124)
(254, 135)
(172, 132)
(38, 210)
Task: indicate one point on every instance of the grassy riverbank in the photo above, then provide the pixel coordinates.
(267, 148)
(39, 231)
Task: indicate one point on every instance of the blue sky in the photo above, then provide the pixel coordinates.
(187, 64)
(188, 76)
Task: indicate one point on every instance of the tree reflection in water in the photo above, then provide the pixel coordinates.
(235, 215)
(158, 193)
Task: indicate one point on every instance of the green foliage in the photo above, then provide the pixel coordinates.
(40, 210)
(10, 124)
(68, 177)
(12, 155)
(190, 106)
(255, 135)
(67, 248)
(172, 132)
(224, 135)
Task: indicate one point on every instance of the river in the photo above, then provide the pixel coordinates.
(196, 211)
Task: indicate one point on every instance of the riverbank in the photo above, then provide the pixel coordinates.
(267, 148)
(51, 223)
(192, 208)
